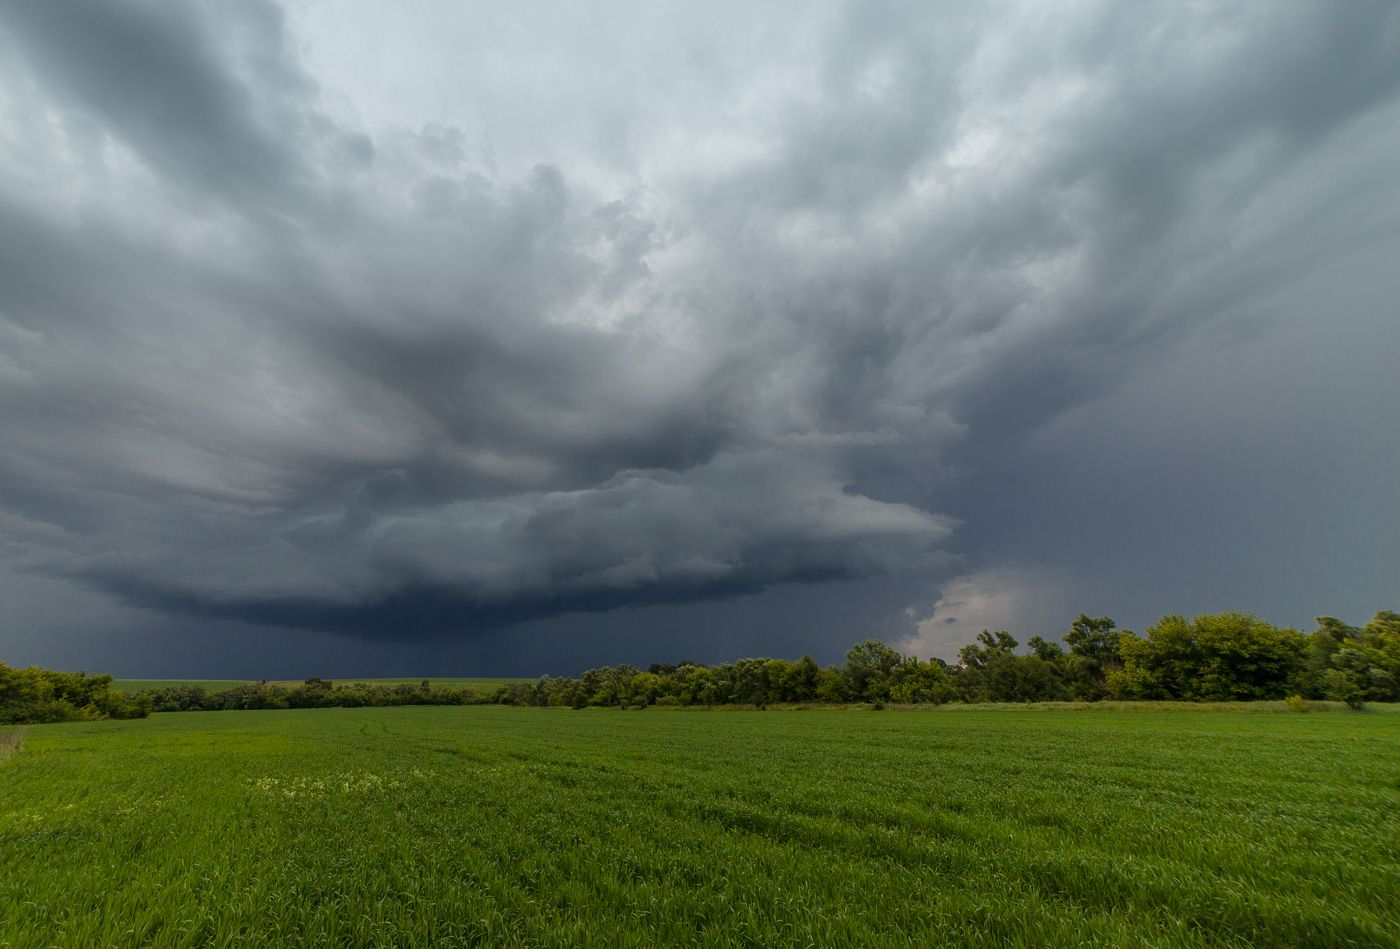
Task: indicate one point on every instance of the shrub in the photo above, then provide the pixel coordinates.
(10, 740)
(44, 695)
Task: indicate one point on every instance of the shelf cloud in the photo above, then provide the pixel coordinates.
(414, 330)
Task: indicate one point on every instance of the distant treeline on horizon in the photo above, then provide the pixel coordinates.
(1214, 657)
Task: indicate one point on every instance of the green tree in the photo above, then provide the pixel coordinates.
(988, 668)
(1215, 657)
(922, 682)
(1093, 653)
(37, 695)
(869, 666)
(1355, 677)
(1382, 634)
(800, 680)
(1094, 637)
(832, 685)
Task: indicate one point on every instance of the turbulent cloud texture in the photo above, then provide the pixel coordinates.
(411, 323)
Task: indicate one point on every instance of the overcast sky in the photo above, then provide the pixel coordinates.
(436, 337)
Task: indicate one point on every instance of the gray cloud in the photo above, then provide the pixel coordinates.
(281, 346)
(209, 95)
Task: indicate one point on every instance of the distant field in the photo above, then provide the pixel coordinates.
(212, 685)
(218, 685)
(500, 826)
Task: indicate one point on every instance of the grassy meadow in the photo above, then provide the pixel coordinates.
(209, 685)
(487, 825)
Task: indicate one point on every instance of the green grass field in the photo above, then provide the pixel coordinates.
(499, 826)
(219, 685)
(210, 685)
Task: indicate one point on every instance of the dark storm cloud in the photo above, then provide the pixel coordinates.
(267, 354)
(205, 94)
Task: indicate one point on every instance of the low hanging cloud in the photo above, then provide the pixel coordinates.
(731, 526)
(1003, 598)
(268, 355)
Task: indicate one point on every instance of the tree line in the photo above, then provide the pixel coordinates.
(1213, 657)
(34, 695)
(313, 693)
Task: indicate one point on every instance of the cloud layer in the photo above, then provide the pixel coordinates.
(580, 310)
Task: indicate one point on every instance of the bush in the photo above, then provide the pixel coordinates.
(35, 695)
(10, 740)
(1296, 703)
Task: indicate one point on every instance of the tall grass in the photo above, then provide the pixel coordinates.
(11, 737)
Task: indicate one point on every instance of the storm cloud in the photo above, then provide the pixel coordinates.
(416, 326)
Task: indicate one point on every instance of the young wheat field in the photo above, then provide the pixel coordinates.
(485, 825)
